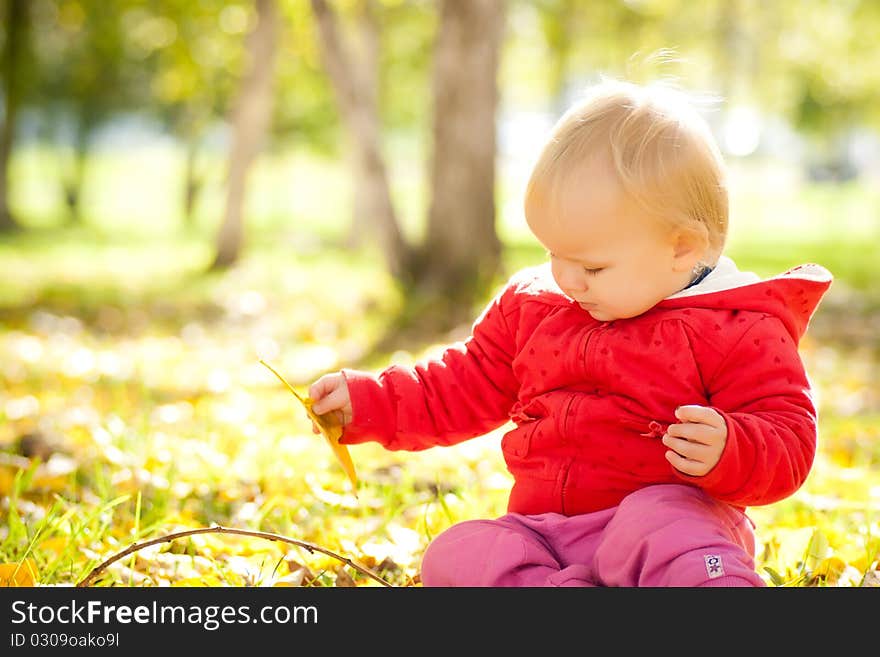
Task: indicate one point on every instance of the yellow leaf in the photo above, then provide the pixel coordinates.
(299, 577)
(18, 573)
(791, 545)
(331, 431)
(817, 548)
(56, 544)
(202, 580)
(7, 480)
(54, 474)
(831, 569)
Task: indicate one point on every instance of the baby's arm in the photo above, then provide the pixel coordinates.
(762, 393)
(464, 393)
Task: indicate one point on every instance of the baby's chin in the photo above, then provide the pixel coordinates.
(604, 315)
(597, 313)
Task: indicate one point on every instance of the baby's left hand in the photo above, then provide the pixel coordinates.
(695, 445)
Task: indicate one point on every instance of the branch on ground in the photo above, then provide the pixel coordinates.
(97, 570)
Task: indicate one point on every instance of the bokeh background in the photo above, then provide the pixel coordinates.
(188, 186)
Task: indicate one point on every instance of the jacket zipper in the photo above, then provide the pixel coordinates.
(585, 346)
(589, 340)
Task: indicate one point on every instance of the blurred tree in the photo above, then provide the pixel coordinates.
(389, 42)
(834, 87)
(15, 45)
(461, 252)
(251, 116)
(557, 19)
(305, 109)
(95, 62)
(86, 78)
(367, 62)
(815, 63)
(359, 109)
(194, 74)
(584, 39)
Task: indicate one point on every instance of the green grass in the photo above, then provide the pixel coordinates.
(115, 344)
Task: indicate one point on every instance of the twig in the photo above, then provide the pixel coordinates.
(217, 529)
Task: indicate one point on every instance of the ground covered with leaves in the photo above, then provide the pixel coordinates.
(133, 405)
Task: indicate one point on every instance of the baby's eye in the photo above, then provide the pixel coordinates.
(592, 272)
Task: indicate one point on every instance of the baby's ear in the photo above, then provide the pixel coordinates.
(690, 246)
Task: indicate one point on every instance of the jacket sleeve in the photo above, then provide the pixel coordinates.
(762, 391)
(464, 393)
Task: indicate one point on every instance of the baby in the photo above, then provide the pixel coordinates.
(656, 390)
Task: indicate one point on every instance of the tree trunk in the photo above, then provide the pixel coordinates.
(192, 185)
(250, 120)
(16, 20)
(72, 181)
(462, 252)
(71, 186)
(360, 116)
(366, 201)
(558, 28)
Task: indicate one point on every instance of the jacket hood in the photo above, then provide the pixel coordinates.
(792, 296)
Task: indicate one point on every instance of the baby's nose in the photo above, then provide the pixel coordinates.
(575, 286)
(571, 283)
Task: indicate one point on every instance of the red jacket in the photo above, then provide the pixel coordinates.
(590, 400)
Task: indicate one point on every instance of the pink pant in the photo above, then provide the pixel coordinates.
(664, 535)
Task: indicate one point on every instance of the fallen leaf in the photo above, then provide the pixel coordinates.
(201, 581)
(388, 565)
(831, 569)
(299, 577)
(328, 427)
(871, 579)
(23, 573)
(55, 545)
(54, 474)
(344, 579)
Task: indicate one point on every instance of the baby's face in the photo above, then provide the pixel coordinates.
(605, 252)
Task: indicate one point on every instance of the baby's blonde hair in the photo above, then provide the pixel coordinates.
(661, 149)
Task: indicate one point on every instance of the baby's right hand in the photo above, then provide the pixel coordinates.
(329, 395)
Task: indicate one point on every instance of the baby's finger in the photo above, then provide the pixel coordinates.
(334, 400)
(687, 466)
(700, 414)
(693, 451)
(697, 433)
(321, 387)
